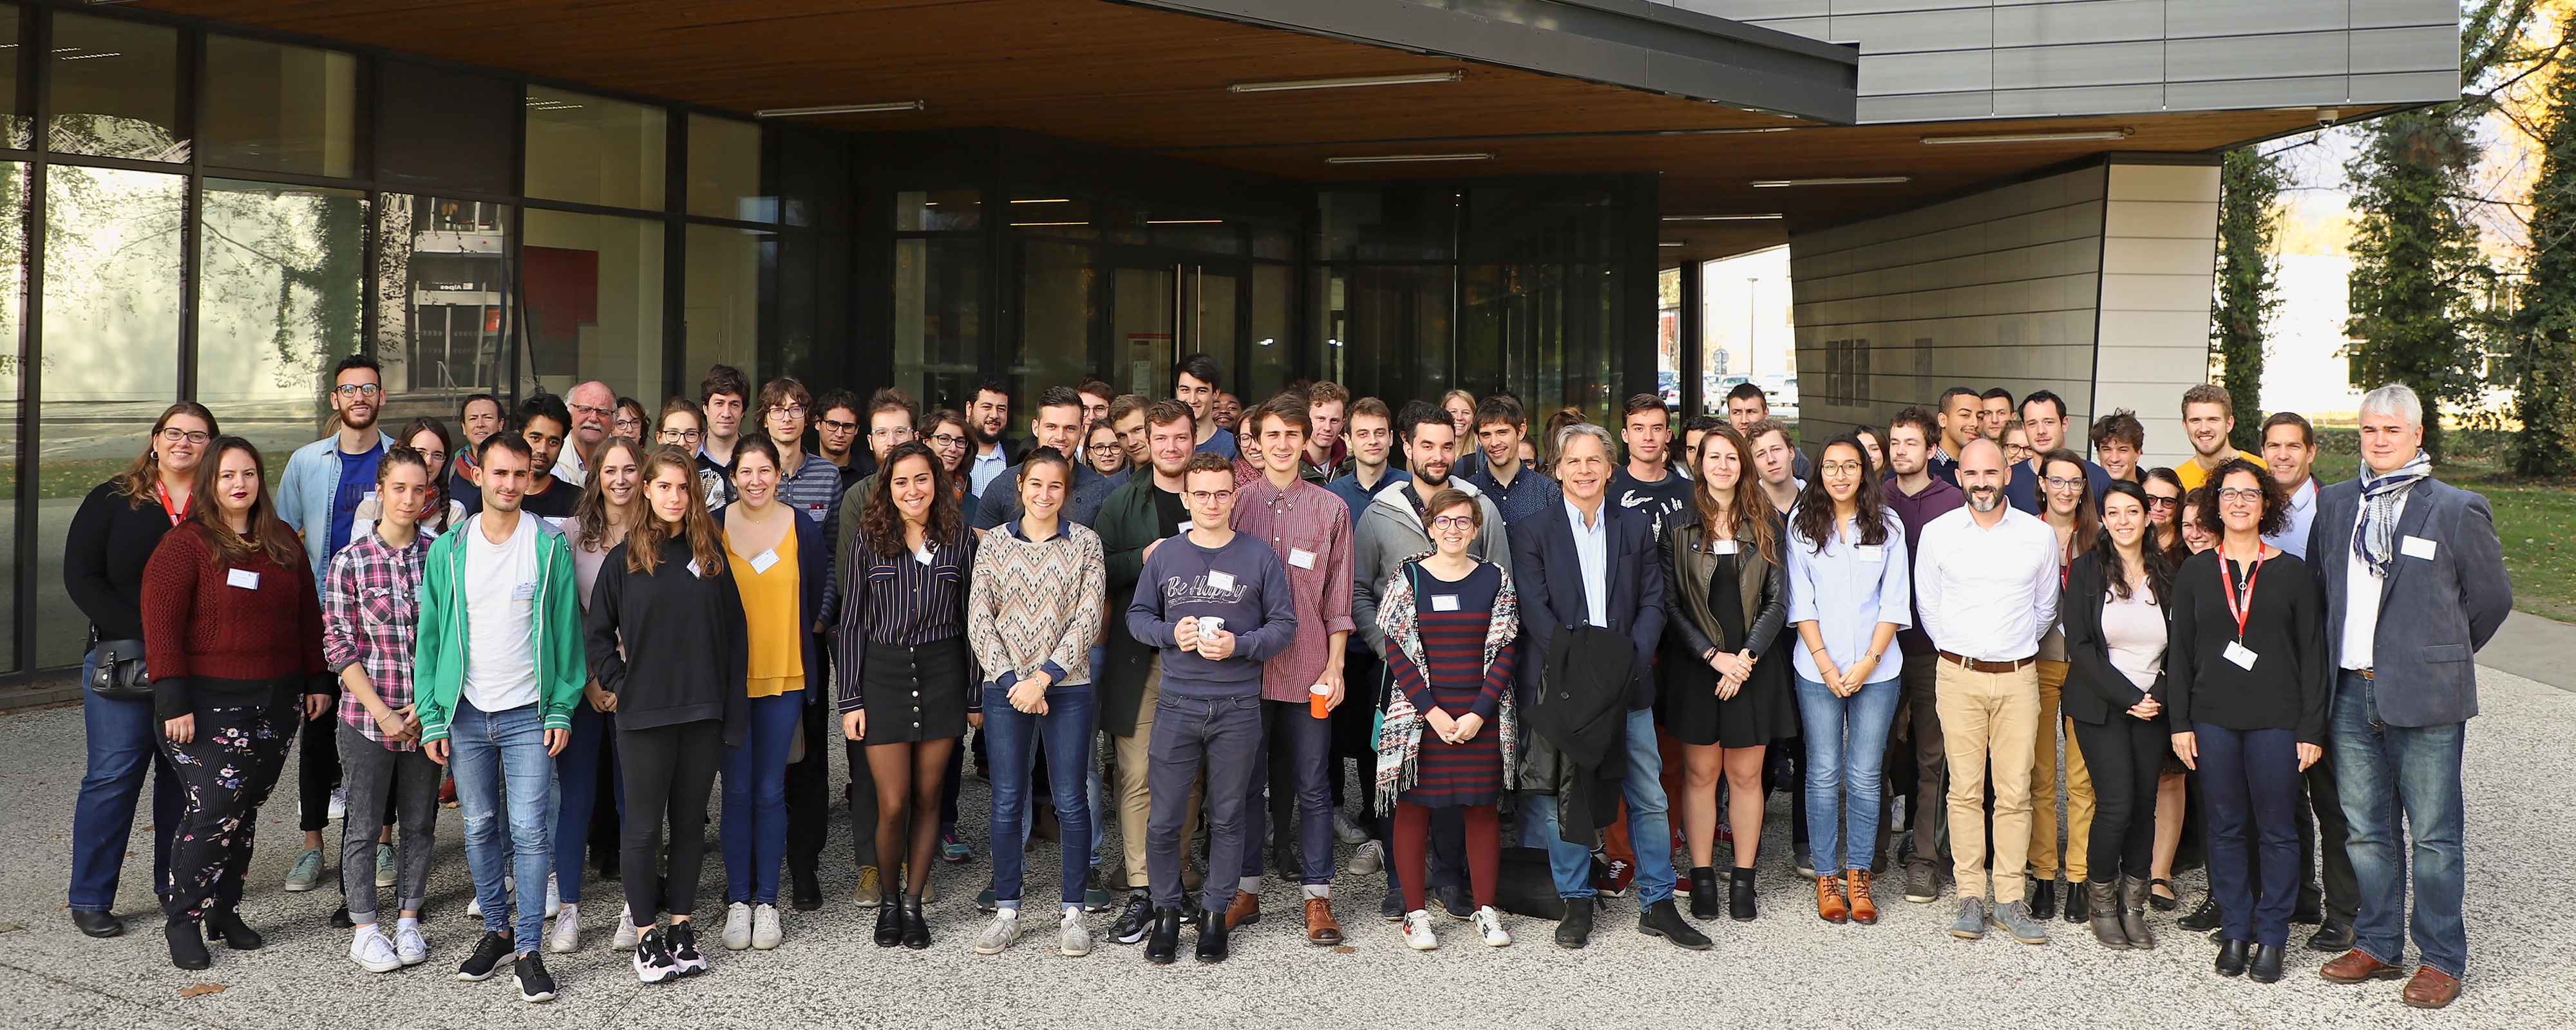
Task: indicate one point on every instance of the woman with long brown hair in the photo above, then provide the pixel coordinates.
(430, 437)
(110, 539)
(1726, 696)
(611, 503)
(232, 634)
(904, 663)
(667, 643)
(2114, 612)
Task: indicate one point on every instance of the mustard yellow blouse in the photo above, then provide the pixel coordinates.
(772, 610)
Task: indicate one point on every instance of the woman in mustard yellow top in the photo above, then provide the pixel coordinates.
(777, 557)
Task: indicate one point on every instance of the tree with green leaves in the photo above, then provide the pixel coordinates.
(2249, 187)
(2541, 354)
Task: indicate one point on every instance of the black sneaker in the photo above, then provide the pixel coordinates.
(683, 940)
(1095, 898)
(2201, 919)
(653, 959)
(535, 987)
(488, 954)
(1134, 920)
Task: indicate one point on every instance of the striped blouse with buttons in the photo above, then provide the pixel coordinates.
(902, 600)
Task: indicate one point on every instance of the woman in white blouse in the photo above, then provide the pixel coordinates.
(2115, 619)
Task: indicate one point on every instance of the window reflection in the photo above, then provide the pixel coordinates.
(938, 326)
(937, 210)
(280, 108)
(594, 150)
(279, 296)
(723, 305)
(442, 297)
(116, 89)
(594, 296)
(724, 171)
(13, 274)
(13, 106)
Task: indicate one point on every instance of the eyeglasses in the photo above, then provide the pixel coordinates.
(357, 389)
(2162, 502)
(175, 434)
(789, 410)
(1844, 467)
(669, 435)
(1448, 522)
(1208, 496)
(2063, 483)
(2230, 494)
(894, 433)
(945, 440)
(624, 424)
(838, 426)
(591, 409)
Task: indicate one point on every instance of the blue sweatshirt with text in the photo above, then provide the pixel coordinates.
(1242, 583)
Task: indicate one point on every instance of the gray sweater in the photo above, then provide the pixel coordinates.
(1389, 532)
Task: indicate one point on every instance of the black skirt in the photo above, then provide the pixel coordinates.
(913, 694)
(1764, 710)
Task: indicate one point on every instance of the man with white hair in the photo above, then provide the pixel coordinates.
(2415, 583)
(594, 410)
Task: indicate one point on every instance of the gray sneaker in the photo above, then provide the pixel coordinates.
(1921, 886)
(2015, 919)
(1971, 924)
(307, 873)
(1072, 937)
(1004, 929)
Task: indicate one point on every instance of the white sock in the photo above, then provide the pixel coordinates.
(1250, 885)
(1319, 890)
(407, 923)
(1008, 911)
(1071, 908)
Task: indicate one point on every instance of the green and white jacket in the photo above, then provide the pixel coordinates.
(439, 652)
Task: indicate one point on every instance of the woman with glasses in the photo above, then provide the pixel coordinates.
(1849, 593)
(110, 540)
(1728, 697)
(2017, 450)
(2164, 513)
(430, 437)
(1100, 447)
(2114, 613)
(630, 419)
(682, 425)
(2247, 690)
(946, 434)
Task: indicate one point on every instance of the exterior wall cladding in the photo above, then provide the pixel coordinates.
(1931, 60)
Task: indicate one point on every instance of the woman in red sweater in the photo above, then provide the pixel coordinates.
(232, 634)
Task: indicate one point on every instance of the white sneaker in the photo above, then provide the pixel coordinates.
(1489, 925)
(626, 932)
(474, 906)
(764, 927)
(1417, 931)
(1072, 935)
(737, 931)
(339, 803)
(1004, 929)
(409, 945)
(567, 934)
(554, 897)
(1349, 832)
(1369, 859)
(372, 952)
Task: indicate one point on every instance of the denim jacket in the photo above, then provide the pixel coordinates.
(305, 493)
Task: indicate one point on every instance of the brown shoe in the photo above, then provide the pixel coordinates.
(1829, 899)
(1322, 930)
(2431, 988)
(1863, 910)
(2355, 966)
(1245, 911)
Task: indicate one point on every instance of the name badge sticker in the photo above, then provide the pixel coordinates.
(2239, 654)
(243, 578)
(524, 592)
(693, 569)
(1220, 580)
(1723, 547)
(1184, 528)
(765, 559)
(1871, 552)
(1444, 602)
(2417, 547)
(1301, 557)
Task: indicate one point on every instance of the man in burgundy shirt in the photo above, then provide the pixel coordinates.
(1918, 497)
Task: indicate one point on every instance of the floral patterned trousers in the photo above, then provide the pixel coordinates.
(226, 772)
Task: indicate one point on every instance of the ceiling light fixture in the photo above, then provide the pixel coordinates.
(1185, 221)
(2031, 137)
(1722, 218)
(799, 112)
(1865, 180)
(1293, 85)
(1034, 200)
(1382, 159)
(1672, 243)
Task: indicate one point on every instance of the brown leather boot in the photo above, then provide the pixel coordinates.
(2430, 988)
(1863, 910)
(1829, 899)
(1245, 911)
(2355, 966)
(1322, 930)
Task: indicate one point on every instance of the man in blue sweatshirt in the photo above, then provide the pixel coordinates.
(1218, 606)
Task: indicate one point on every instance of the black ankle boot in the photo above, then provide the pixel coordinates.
(916, 930)
(2202, 918)
(226, 923)
(2265, 966)
(2043, 899)
(1704, 891)
(1212, 931)
(890, 924)
(2079, 901)
(187, 947)
(1739, 895)
(2231, 958)
(1163, 942)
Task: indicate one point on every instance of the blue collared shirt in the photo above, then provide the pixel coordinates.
(2293, 537)
(1841, 590)
(982, 469)
(1592, 550)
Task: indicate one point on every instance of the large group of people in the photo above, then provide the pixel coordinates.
(1194, 618)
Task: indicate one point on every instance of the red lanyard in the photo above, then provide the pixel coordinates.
(2240, 607)
(181, 514)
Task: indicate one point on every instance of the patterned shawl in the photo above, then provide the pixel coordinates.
(1399, 738)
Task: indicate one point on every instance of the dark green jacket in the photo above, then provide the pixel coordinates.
(1127, 523)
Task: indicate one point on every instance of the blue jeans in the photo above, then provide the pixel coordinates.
(2418, 769)
(1648, 828)
(124, 743)
(1011, 740)
(2249, 784)
(1223, 737)
(487, 749)
(1294, 736)
(1854, 760)
(577, 780)
(754, 832)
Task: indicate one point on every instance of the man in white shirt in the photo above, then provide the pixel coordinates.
(594, 408)
(1986, 582)
(2290, 451)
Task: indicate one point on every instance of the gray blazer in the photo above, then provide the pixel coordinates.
(2433, 613)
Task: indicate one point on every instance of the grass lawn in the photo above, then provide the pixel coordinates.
(2536, 521)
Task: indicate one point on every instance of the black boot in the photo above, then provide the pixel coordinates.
(1703, 890)
(2103, 909)
(916, 930)
(1739, 895)
(1663, 919)
(805, 889)
(2134, 896)
(2043, 899)
(225, 922)
(1575, 929)
(1163, 942)
(2231, 958)
(2333, 936)
(96, 923)
(2201, 919)
(1211, 936)
(187, 948)
(890, 924)
(2266, 965)
(2079, 900)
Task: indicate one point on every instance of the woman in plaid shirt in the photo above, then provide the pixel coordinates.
(370, 612)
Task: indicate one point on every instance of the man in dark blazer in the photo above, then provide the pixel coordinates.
(1588, 562)
(2415, 583)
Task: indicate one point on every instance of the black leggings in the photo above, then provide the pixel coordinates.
(2125, 755)
(909, 778)
(668, 769)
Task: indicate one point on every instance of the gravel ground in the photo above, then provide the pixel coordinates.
(1785, 969)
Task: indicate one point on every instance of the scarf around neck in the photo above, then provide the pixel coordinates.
(2374, 535)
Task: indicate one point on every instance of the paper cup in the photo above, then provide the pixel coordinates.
(1319, 700)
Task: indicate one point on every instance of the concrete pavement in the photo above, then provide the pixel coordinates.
(1786, 969)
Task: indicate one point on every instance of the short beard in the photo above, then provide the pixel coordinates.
(1985, 501)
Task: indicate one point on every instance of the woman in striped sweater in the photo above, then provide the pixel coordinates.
(1450, 728)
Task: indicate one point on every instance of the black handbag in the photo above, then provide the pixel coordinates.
(118, 674)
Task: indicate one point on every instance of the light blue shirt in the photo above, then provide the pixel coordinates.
(1592, 550)
(982, 469)
(2293, 537)
(1840, 590)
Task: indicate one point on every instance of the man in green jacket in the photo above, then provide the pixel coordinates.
(497, 666)
(1139, 515)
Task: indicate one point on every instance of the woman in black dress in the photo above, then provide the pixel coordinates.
(906, 670)
(1724, 690)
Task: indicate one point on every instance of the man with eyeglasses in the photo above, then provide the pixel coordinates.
(1216, 606)
(593, 407)
(1918, 497)
(836, 436)
(2044, 421)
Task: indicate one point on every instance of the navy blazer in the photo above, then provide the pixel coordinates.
(1549, 578)
(2434, 613)
(814, 580)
